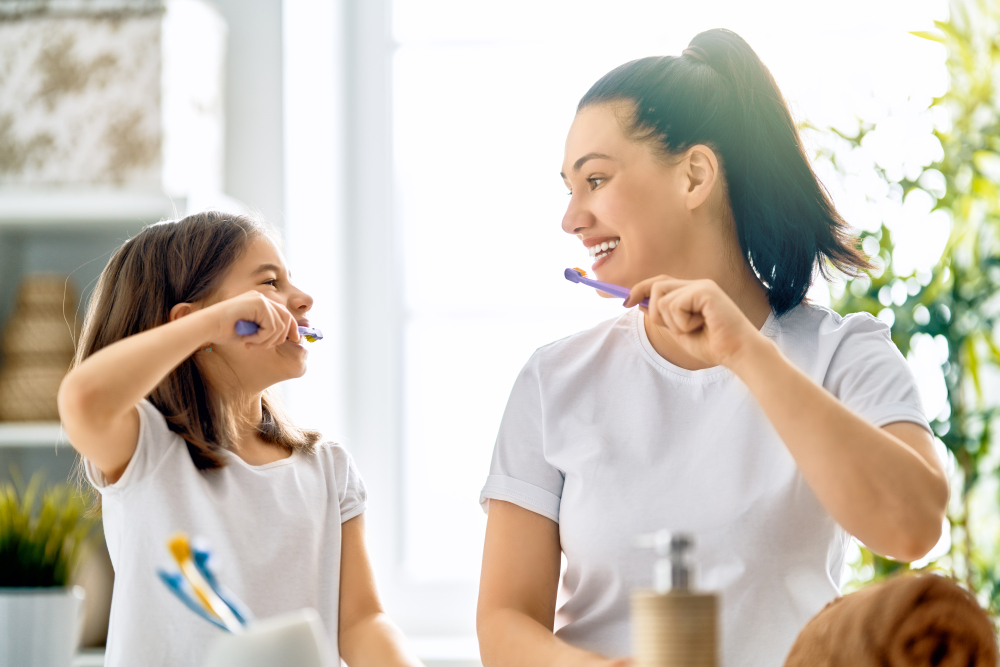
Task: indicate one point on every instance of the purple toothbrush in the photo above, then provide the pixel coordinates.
(580, 276)
(248, 328)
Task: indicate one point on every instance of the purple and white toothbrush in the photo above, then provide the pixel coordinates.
(580, 276)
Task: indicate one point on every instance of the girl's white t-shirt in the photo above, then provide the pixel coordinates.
(611, 441)
(274, 532)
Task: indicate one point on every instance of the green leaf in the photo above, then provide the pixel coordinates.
(932, 36)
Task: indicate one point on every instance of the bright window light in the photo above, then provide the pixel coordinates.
(483, 95)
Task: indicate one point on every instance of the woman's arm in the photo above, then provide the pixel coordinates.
(97, 399)
(885, 486)
(367, 636)
(517, 594)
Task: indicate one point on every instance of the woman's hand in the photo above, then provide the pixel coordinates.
(698, 315)
(275, 322)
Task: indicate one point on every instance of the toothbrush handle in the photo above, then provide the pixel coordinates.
(246, 327)
(614, 290)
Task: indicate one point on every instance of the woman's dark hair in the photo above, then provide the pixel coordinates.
(719, 94)
(165, 264)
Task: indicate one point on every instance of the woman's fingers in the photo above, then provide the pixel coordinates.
(644, 289)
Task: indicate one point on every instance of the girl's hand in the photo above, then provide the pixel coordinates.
(698, 315)
(275, 322)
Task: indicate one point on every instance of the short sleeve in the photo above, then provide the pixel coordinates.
(155, 437)
(870, 376)
(351, 493)
(519, 473)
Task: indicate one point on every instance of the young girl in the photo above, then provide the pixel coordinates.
(770, 428)
(172, 413)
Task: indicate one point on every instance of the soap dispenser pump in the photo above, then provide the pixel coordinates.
(673, 625)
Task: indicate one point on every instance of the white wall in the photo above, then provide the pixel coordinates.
(254, 153)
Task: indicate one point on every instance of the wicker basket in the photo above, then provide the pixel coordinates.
(37, 346)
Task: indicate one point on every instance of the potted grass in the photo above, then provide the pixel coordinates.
(42, 536)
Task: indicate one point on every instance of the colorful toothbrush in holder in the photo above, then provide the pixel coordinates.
(580, 276)
(293, 638)
(196, 585)
(248, 328)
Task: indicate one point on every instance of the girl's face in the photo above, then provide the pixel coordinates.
(623, 196)
(261, 268)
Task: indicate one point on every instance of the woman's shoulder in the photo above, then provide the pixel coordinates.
(818, 338)
(599, 337)
(813, 321)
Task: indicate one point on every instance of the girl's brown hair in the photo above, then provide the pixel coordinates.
(173, 262)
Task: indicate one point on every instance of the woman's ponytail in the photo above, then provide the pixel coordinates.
(721, 95)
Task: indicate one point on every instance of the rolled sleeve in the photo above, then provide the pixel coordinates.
(520, 473)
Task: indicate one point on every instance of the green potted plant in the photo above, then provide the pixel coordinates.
(40, 612)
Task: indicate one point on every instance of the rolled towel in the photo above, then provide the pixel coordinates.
(907, 621)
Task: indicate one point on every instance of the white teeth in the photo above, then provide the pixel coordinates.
(602, 249)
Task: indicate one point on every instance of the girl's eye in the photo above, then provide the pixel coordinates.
(270, 281)
(595, 182)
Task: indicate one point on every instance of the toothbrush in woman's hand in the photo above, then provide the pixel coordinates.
(580, 276)
(248, 328)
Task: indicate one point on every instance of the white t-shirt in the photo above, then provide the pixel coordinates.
(274, 532)
(610, 440)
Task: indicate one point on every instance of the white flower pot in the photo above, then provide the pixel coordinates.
(40, 627)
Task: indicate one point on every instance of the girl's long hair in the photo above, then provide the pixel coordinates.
(721, 95)
(165, 264)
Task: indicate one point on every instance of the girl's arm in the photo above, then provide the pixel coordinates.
(885, 486)
(367, 635)
(97, 399)
(517, 594)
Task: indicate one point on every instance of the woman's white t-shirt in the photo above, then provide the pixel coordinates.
(274, 532)
(611, 441)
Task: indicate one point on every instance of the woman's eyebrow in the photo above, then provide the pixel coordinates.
(589, 156)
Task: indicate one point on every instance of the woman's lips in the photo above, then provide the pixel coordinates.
(601, 261)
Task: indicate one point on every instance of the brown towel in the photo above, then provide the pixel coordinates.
(908, 621)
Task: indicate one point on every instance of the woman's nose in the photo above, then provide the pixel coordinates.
(577, 218)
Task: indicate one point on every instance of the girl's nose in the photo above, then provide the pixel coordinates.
(300, 302)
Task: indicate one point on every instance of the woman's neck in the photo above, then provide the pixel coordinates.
(746, 291)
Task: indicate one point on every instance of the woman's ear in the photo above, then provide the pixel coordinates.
(180, 310)
(701, 171)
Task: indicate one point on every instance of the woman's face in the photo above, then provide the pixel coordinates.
(626, 206)
(261, 268)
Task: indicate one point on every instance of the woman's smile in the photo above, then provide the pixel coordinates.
(601, 248)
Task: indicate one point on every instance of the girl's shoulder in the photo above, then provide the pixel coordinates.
(339, 468)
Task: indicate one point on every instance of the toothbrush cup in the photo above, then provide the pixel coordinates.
(295, 639)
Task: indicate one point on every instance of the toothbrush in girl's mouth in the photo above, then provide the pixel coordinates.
(248, 328)
(580, 276)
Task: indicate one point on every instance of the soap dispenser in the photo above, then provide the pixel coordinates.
(673, 625)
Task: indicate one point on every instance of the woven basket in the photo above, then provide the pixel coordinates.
(28, 393)
(37, 346)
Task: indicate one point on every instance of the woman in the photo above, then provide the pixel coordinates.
(770, 428)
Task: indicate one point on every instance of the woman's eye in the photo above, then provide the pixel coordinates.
(271, 282)
(594, 182)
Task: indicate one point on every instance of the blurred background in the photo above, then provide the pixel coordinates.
(409, 153)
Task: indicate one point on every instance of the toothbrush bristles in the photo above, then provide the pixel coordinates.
(580, 271)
